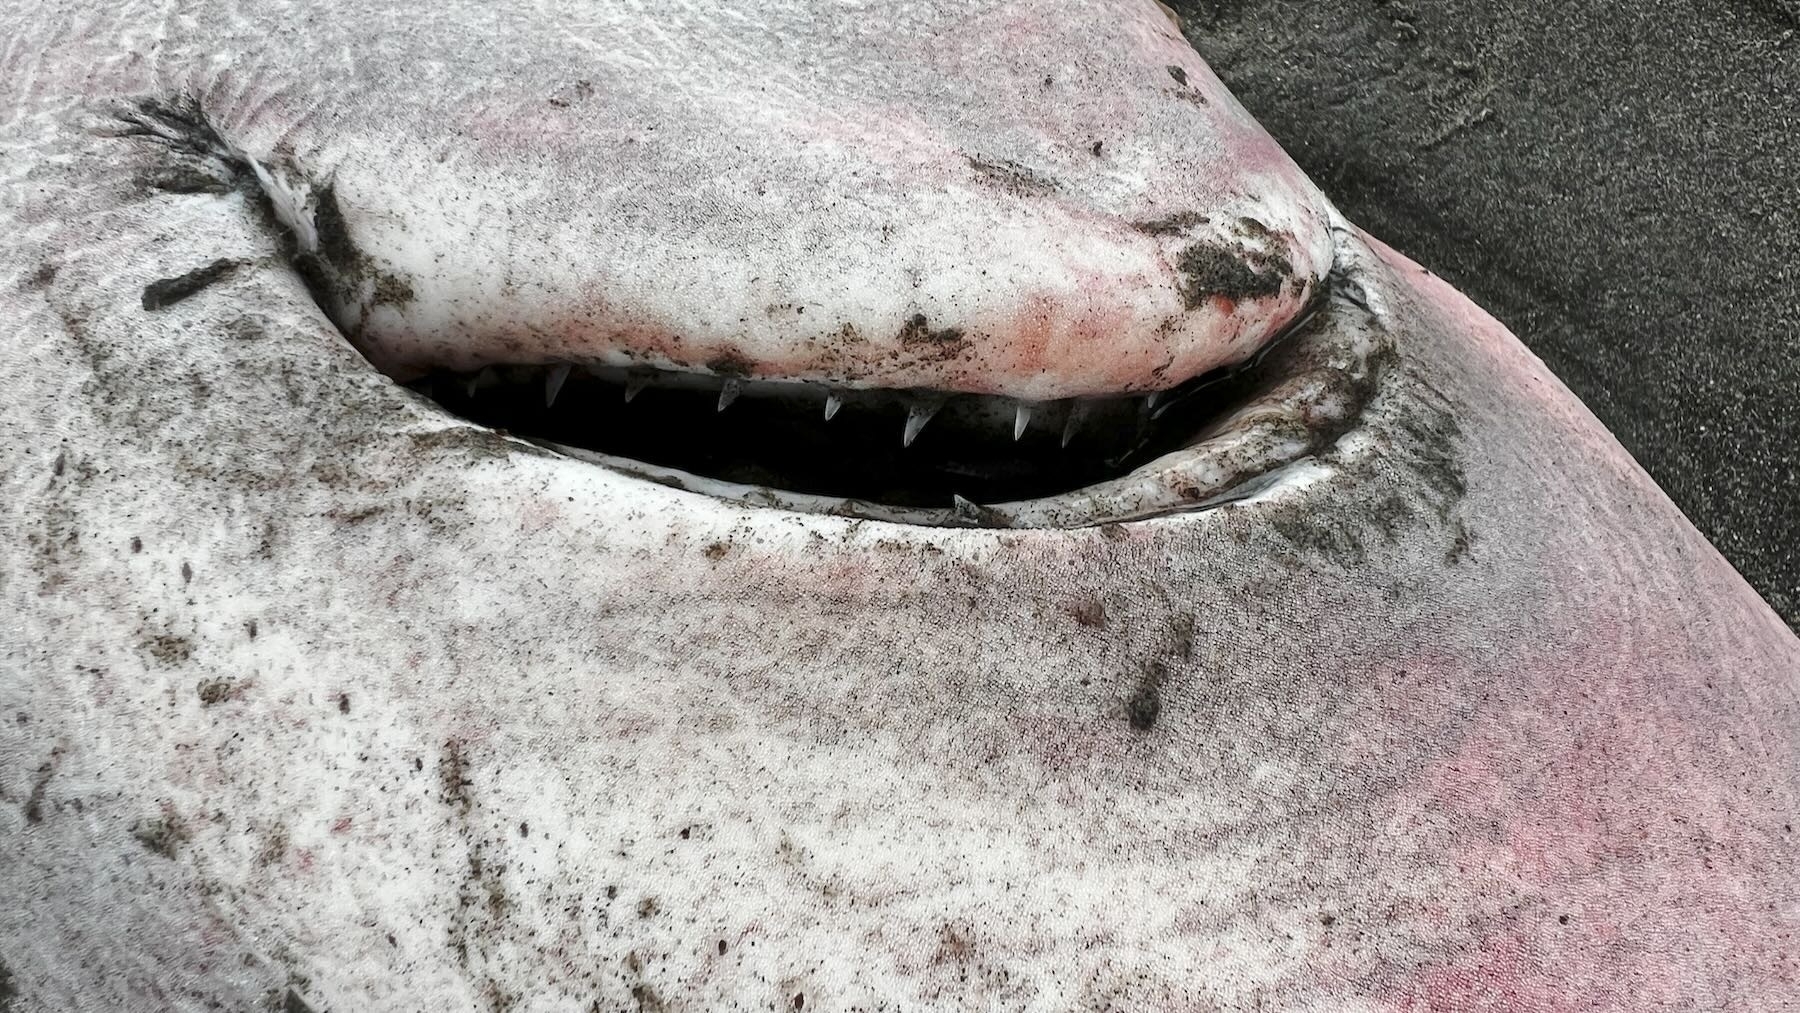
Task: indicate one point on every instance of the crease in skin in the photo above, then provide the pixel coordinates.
(313, 696)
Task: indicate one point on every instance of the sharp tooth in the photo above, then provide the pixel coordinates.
(832, 404)
(1152, 399)
(553, 383)
(730, 392)
(482, 378)
(1078, 411)
(1021, 420)
(916, 416)
(634, 385)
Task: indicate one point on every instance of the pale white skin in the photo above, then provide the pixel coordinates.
(316, 697)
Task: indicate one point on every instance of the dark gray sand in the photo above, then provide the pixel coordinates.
(1618, 182)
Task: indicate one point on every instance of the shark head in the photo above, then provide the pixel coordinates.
(812, 505)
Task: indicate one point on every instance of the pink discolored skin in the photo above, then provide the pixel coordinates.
(316, 697)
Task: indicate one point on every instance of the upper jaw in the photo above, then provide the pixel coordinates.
(1107, 226)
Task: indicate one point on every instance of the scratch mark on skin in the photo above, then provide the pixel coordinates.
(1013, 177)
(40, 786)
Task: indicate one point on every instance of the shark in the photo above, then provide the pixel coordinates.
(812, 505)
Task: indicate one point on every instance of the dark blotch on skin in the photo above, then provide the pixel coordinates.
(160, 835)
(580, 91)
(212, 691)
(1208, 270)
(40, 786)
(729, 364)
(169, 291)
(1437, 458)
(356, 516)
(292, 1003)
(647, 999)
(1170, 225)
(169, 649)
(184, 179)
(1145, 705)
(917, 331)
(9, 990)
(1090, 613)
(1179, 75)
(1144, 708)
(1013, 177)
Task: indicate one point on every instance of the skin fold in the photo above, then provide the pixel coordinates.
(315, 696)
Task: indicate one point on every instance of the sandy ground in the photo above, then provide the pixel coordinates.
(1616, 182)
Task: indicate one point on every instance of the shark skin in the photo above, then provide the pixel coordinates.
(314, 696)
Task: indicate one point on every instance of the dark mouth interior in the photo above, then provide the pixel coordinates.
(775, 434)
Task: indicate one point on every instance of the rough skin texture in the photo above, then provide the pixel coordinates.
(1614, 181)
(317, 698)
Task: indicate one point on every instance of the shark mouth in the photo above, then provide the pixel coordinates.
(944, 458)
(857, 449)
(902, 448)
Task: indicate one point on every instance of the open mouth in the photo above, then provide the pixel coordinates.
(857, 448)
(945, 458)
(900, 448)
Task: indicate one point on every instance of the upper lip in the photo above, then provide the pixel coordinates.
(1214, 438)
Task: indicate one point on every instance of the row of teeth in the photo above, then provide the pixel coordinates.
(921, 407)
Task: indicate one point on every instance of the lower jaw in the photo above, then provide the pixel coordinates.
(937, 459)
